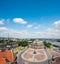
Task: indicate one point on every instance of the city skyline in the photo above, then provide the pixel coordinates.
(30, 18)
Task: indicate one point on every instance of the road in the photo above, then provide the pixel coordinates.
(19, 59)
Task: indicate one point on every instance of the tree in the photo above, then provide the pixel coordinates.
(1, 41)
(48, 45)
(23, 43)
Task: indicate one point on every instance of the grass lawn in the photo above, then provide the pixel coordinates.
(50, 48)
(16, 50)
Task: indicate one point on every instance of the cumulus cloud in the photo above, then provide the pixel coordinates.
(29, 26)
(1, 21)
(37, 27)
(3, 28)
(57, 23)
(53, 33)
(33, 26)
(4, 31)
(19, 20)
(49, 33)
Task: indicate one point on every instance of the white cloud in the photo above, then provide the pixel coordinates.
(3, 28)
(53, 30)
(29, 26)
(4, 32)
(37, 27)
(19, 20)
(49, 33)
(57, 23)
(1, 22)
(34, 26)
(53, 33)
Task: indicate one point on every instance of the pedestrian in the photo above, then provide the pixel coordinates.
(16, 60)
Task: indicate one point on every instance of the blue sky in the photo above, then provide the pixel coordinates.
(30, 18)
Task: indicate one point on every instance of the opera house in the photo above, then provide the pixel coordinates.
(36, 53)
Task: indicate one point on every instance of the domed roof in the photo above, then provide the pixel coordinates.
(38, 42)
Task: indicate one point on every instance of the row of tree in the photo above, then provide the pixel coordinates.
(48, 45)
(23, 43)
